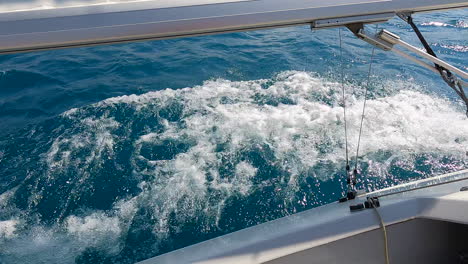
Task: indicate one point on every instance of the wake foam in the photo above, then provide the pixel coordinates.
(458, 24)
(104, 175)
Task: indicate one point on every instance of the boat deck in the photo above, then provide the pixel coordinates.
(432, 202)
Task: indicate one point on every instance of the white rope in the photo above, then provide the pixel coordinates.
(384, 231)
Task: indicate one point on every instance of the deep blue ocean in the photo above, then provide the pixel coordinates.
(114, 154)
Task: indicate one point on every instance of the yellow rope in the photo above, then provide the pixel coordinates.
(384, 229)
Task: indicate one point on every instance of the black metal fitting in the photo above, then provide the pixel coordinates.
(343, 199)
(372, 202)
(356, 207)
(351, 195)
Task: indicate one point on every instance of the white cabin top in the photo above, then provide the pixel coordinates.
(96, 6)
(29, 25)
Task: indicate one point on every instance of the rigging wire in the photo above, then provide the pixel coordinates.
(344, 100)
(364, 106)
(446, 75)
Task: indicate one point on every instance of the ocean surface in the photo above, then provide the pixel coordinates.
(115, 154)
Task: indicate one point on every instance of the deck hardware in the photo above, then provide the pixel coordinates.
(356, 207)
(342, 21)
(351, 180)
(385, 40)
(371, 202)
(351, 195)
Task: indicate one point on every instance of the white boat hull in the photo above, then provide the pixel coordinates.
(424, 226)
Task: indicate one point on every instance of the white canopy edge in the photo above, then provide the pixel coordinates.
(49, 8)
(96, 23)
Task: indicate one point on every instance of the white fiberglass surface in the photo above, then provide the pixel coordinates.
(25, 5)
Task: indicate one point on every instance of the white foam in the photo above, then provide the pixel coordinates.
(244, 173)
(457, 48)
(40, 245)
(96, 230)
(8, 228)
(435, 23)
(70, 112)
(97, 134)
(296, 119)
(404, 123)
(459, 24)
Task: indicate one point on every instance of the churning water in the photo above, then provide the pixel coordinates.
(116, 154)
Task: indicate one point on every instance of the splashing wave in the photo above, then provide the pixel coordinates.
(146, 169)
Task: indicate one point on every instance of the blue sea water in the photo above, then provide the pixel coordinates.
(115, 154)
